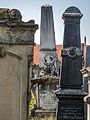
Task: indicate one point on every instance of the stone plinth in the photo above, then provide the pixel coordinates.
(46, 99)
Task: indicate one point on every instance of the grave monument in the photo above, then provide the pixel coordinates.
(71, 94)
(48, 58)
(49, 63)
(16, 55)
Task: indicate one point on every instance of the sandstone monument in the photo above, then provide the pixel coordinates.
(16, 55)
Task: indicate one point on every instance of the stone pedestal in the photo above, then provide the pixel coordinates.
(71, 94)
(70, 109)
(70, 105)
(46, 99)
(16, 46)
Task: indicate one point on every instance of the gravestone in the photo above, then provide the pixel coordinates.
(71, 94)
(48, 56)
(16, 55)
(46, 99)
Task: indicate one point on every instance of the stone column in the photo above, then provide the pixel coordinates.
(47, 33)
(48, 56)
(71, 94)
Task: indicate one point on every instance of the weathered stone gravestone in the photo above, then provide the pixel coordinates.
(48, 100)
(16, 54)
(49, 62)
(48, 58)
(71, 94)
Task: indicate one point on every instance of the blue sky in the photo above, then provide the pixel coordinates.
(31, 9)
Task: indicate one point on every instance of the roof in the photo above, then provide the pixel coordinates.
(37, 54)
(58, 48)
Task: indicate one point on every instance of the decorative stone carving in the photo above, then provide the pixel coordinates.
(3, 14)
(10, 15)
(14, 30)
(72, 52)
(15, 14)
(48, 59)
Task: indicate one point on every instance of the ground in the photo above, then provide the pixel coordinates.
(44, 118)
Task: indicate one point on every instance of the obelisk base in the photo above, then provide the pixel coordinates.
(70, 104)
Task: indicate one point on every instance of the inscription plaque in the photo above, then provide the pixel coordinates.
(71, 110)
(48, 100)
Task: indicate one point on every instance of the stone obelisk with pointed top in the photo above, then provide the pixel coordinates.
(71, 94)
(48, 61)
(48, 56)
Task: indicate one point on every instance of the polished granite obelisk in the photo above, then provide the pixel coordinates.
(71, 94)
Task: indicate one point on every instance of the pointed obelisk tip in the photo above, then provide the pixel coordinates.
(47, 33)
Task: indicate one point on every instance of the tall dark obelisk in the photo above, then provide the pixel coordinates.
(71, 94)
(48, 56)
